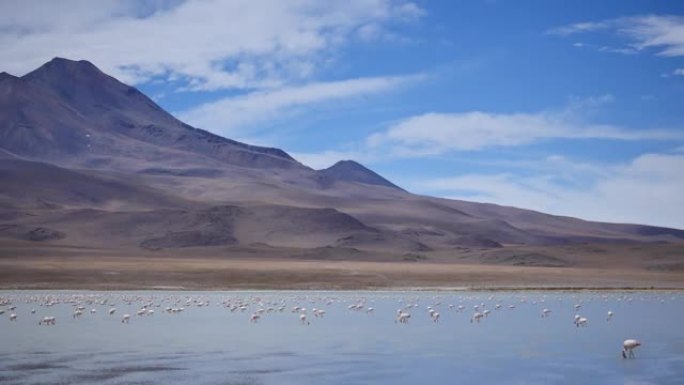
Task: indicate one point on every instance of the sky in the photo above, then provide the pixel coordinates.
(570, 108)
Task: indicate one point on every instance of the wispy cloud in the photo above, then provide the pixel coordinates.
(233, 115)
(580, 28)
(203, 45)
(434, 134)
(437, 133)
(662, 33)
(648, 189)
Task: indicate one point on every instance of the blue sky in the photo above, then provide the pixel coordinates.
(572, 108)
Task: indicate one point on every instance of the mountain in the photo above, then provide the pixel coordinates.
(70, 112)
(350, 171)
(87, 161)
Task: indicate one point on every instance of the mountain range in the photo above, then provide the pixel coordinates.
(89, 162)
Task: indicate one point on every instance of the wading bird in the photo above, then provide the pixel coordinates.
(628, 348)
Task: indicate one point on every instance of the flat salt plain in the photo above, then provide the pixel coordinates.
(213, 341)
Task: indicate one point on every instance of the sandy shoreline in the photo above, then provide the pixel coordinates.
(199, 273)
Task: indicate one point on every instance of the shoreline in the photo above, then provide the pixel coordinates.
(362, 289)
(196, 273)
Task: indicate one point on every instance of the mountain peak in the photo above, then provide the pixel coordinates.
(100, 106)
(348, 163)
(5, 77)
(64, 66)
(351, 171)
(60, 69)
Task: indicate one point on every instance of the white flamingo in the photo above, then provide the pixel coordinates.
(402, 317)
(13, 317)
(546, 312)
(477, 317)
(628, 348)
(125, 318)
(48, 320)
(610, 316)
(302, 317)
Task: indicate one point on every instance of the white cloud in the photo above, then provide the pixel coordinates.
(678, 72)
(647, 190)
(663, 33)
(231, 115)
(211, 44)
(579, 28)
(436, 133)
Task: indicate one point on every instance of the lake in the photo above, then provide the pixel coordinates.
(213, 340)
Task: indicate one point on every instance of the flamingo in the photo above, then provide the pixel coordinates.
(125, 318)
(254, 318)
(302, 317)
(402, 317)
(13, 317)
(546, 312)
(47, 320)
(628, 348)
(610, 315)
(477, 317)
(112, 310)
(581, 322)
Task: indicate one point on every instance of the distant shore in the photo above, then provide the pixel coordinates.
(201, 273)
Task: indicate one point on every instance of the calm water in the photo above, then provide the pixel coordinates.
(211, 344)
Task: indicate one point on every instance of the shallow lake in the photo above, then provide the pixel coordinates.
(213, 341)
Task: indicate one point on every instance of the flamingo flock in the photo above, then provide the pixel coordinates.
(308, 309)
